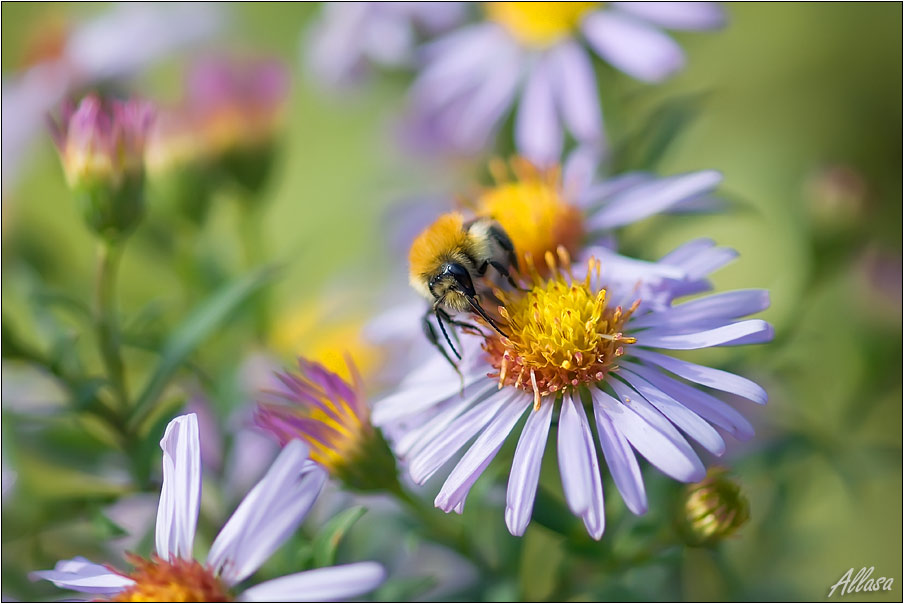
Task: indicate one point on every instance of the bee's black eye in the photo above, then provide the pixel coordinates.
(461, 276)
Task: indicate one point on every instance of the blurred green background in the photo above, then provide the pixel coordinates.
(800, 108)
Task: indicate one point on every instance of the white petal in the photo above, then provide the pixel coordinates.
(538, 133)
(525, 474)
(472, 464)
(632, 46)
(80, 574)
(268, 515)
(328, 584)
(180, 495)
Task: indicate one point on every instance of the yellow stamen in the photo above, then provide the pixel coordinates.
(561, 333)
(539, 24)
(158, 580)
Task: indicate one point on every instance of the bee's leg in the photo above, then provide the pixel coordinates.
(443, 317)
(433, 339)
(463, 324)
(504, 272)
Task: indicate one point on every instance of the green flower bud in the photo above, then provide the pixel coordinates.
(101, 145)
(713, 509)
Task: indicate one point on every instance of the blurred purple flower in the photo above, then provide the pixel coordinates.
(331, 416)
(102, 140)
(350, 37)
(317, 406)
(590, 347)
(112, 45)
(237, 101)
(262, 522)
(531, 54)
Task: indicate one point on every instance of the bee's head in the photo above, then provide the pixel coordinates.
(453, 285)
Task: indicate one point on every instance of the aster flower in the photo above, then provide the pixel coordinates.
(101, 144)
(331, 415)
(238, 107)
(535, 55)
(350, 37)
(580, 339)
(262, 522)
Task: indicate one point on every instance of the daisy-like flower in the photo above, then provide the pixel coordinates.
(577, 343)
(267, 516)
(102, 144)
(351, 37)
(535, 55)
(331, 415)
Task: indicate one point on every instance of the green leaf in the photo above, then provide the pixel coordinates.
(644, 148)
(328, 539)
(209, 316)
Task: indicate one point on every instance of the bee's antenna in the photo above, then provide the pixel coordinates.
(442, 328)
(479, 310)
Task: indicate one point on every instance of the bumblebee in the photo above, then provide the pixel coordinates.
(446, 260)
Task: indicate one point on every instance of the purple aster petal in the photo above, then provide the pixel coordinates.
(599, 192)
(538, 133)
(574, 459)
(705, 405)
(80, 574)
(330, 584)
(727, 305)
(677, 15)
(522, 483)
(578, 172)
(660, 444)
(457, 63)
(575, 86)
(622, 463)
(742, 332)
(707, 376)
(481, 453)
(429, 459)
(106, 46)
(653, 197)
(595, 516)
(699, 257)
(180, 495)
(685, 419)
(409, 401)
(632, 46)
(268, 515)
(416, 439)
(487, 105)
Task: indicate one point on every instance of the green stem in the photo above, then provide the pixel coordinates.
(252, 218)
(109, 254)
(436, 529)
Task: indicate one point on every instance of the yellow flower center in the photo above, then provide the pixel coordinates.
(539, 24)
(561, 333)
(158, 580)
(532, 210)
(340, 445)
